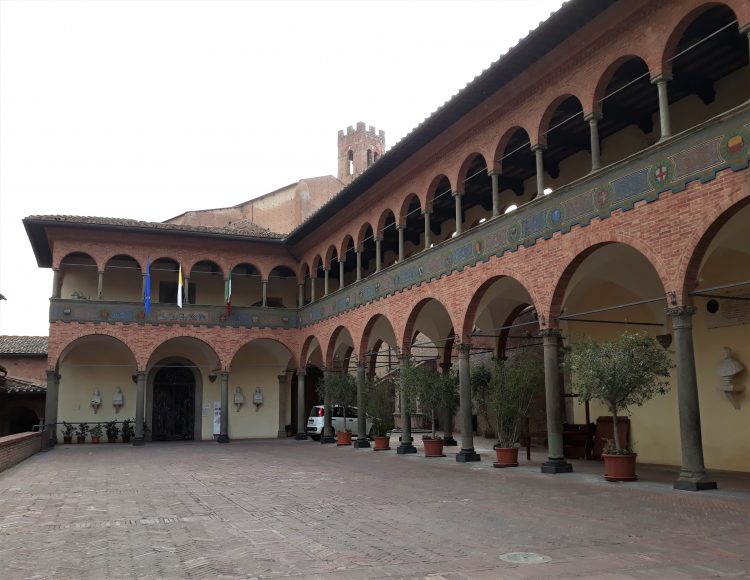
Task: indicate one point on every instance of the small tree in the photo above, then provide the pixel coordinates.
(506, 391)
(621, 373)
(341, 390)
(379, 403)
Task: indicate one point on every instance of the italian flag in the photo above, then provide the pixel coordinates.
(228, 294)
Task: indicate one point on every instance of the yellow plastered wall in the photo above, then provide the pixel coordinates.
(95, 365)
(77, 277)
(285, 289)
(246, 290)
(121, 284)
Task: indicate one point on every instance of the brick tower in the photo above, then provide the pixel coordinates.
(358, 149)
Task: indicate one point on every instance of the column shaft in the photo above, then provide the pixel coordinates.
(467, 452)
(300, 295)
(140, 401)
(264, 286)
(539, 157)
(341, 275)
(312, 289)
(361, 441)
(327, 436)
(459, 214)
(56, 283)
(693, 473)
(495, 177)
(593, 120)
(325, 281)
(359, 265)
(378, 255)
(224, 420)
(664, 120)
(556, 460)
(406, 441)
(427, 232)
(282, 406)
(50, 405)
(100, 286)
(401, 229)
(301, 425)
(448, 439)
(186, 289)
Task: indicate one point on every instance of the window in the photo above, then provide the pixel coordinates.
(350, 163)
(369, 157)
(168, 293)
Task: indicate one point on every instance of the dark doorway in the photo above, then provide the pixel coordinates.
(173, 417)
(22, 419)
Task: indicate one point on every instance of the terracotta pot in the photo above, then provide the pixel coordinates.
(67, 440)
(506, 457)
(343, 438)
(112, 439)
(382, 443)
(80, 438)
(433, 448)
(619, 467)
(96, 438)
(126, 438)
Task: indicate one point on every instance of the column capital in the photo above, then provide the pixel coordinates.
(224, 374)
(492, 172)
(427, 212)
(538, 147)
(445, 366)
(400, 226)
(378, 239)
(550, 332)
(661, 78)
(457, 193)
(464, 348)
(52, 375)
(404, 358)
(680, 310)
(282, 377)
(595, 116)
(745, 28)
(682, 316)
(361, 365)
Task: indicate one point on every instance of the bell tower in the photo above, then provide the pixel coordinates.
(358, 149)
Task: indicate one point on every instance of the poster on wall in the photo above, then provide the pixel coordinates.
(217, 417)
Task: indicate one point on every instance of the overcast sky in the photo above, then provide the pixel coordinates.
(145, 109)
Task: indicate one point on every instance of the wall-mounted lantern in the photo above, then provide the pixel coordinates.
(118, 400)
(257, 399)
(239, 398)
(96, 400)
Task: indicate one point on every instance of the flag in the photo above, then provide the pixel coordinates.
(179, 287)
(147, 289)
(228, 296)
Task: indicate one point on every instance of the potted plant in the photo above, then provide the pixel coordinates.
(289, 430)
(112, 431)
(620, 373)
(507, 390)
(81, 432)
(128, 430)
(340, 389)
(379, 404)
(96, 433)
(67, 432)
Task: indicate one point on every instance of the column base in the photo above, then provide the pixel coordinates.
(361, 444)
(556, 466)
(300, 437)
(327, 439)
(449, 441)
(694, 482)
(139, 442)
(223, 439)
(281, 434)
(467, 456)
(406, 448)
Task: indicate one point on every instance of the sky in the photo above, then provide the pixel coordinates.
(145, 109)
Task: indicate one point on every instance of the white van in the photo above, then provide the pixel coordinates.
(315, 421)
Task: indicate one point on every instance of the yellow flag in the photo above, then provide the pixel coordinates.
(179, 288)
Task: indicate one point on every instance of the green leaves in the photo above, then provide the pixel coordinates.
(379, 405)
(341, 388)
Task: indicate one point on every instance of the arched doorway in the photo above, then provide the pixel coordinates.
(22, 419)
(173, 414)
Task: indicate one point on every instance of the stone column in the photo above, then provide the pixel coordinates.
(312, 288)
(56, 282)
(556, 460)
(457, 195)
(495, 177)
(359, 265)
(401, 228)
(448, 439)
(100, 286)
(325, 281)
(378, 254)
(224, 421)
(140, 400)
(300, 294)
(282, 407)
(467, 452)
(538, 150)
(143, 286)
(361, 442)
(341, 274)
(186, 288)
(327, 436)
(693, 472)
(661, 86)
(264, 287)
(301, 425)
(593, 121)
(50, 405)
(427, 232)
(406, 441)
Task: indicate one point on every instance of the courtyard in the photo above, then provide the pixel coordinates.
(284, 508)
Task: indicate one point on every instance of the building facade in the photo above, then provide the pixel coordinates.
(592, 180)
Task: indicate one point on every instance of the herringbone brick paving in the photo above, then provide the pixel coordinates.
(265, 509)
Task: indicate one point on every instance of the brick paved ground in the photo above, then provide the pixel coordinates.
(287, 508)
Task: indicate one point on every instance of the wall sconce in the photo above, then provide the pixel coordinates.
(96, 400)
(665, 340)
(213, 373)
(118, 400)
(257, 399)
(239, 398)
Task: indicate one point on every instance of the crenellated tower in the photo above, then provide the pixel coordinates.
(358, 149)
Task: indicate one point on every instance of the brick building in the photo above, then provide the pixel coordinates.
(23, 382)
(591, 180)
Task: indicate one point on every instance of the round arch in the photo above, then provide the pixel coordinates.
(88, 338)
(432, 191)
(340, 336)
(545, 122)
(439, 318)
(403, 212)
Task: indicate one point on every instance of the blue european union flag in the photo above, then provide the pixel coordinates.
(147, 289)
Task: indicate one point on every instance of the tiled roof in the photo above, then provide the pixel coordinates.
(10, 385)
(23, 344)
(247, 228)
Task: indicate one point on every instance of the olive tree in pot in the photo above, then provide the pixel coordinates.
(507, 390)
(379, 404)
(620, 373)
(435, 392)
(340, 389)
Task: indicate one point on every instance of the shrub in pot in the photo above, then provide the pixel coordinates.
(339, 389)
(96, 433)
(379, 405)
(128, 431)
(112, 431)
(81, 432)
(67, 432)
(621, 373)
(507, 390)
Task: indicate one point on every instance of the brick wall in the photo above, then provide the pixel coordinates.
(16, 448)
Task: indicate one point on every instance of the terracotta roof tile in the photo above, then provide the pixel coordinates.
(23, 344)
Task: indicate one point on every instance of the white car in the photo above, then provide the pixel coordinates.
(315, 421)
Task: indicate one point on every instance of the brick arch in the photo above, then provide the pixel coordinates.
(345, 245)
(330, 345)
(696, 247)
(578, 252)
(382, 220)
(97, 260)
(405, 330)
(221, 354)
(364, 336)
(305, 349)
(432, 190)
(592, 103)
(304, 268)
(476, 297)
(540, 136)
(463, 169)
(329, 256)
(502, 143)
(106, 258)
(361, 235)
(57, 351)
(404, 210)
(690, 12)
(214, 262)
(292, 359)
